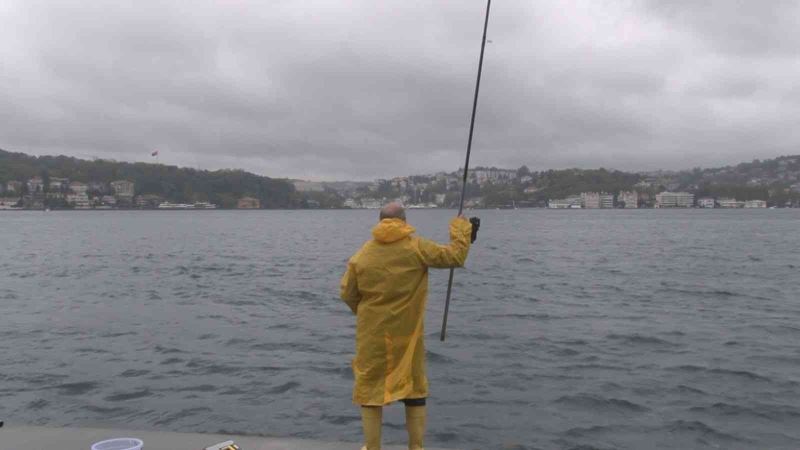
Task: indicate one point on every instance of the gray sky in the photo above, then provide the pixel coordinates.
(364, 89)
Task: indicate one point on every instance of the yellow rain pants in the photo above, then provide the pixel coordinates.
(386, 286)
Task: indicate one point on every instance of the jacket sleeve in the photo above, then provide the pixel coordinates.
(349, 287)
(451, 255)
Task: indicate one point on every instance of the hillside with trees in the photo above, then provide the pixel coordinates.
(174, 184)
(776, 181)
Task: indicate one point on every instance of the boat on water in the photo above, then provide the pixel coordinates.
(169, 205)
(198, 205)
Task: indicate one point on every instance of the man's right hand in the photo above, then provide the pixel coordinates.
(476, 224)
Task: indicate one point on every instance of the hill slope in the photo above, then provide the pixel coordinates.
(185, 185)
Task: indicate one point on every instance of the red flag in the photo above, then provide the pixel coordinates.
(155, 153)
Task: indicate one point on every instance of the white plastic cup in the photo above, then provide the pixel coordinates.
(119, 444)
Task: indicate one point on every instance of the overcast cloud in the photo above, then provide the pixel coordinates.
(366, 89)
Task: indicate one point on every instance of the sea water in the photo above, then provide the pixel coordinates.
(568, 329)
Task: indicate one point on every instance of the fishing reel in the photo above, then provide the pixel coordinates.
(476, 223)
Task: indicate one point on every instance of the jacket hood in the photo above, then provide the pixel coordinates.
(391, 230)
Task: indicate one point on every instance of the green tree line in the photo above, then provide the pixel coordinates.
(175, 184)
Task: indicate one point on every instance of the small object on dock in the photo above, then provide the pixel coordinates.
(227, 445)
(119, 444)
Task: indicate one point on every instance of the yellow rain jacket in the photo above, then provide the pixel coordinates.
(386, 286)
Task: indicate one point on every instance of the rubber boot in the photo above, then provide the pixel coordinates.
(371, 421)
(415, 424)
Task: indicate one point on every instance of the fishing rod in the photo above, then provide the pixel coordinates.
(466, 164)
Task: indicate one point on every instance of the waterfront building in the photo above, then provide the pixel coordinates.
(108, 200)
(33, 201)
(123, 192)
(55, 195)
(9, 202)
(96, 186)
(351, 203)
(148, 201)
(730, 203)
(565, 203)
(400, 183)
(371, 203)
(78, 188)
(473, 202)
(590, 200)
(669, 199)
(14, 186)
(606, 200)
(629, 198)
(78, 201)
(453, 182)
(560, 203)
(58, 184)
(248, 203)
(597, 200)
(755, 204)
(706, 202)
(123, 189)
(35, 184)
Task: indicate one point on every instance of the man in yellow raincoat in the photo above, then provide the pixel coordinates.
(386, 287)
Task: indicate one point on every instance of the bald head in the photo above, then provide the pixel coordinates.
(393, 210)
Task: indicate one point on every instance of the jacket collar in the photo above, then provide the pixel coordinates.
(391, 230)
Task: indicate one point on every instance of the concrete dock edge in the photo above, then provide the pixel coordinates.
(22, 437)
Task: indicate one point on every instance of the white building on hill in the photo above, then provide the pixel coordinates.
(308, 186)
(491, 175)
